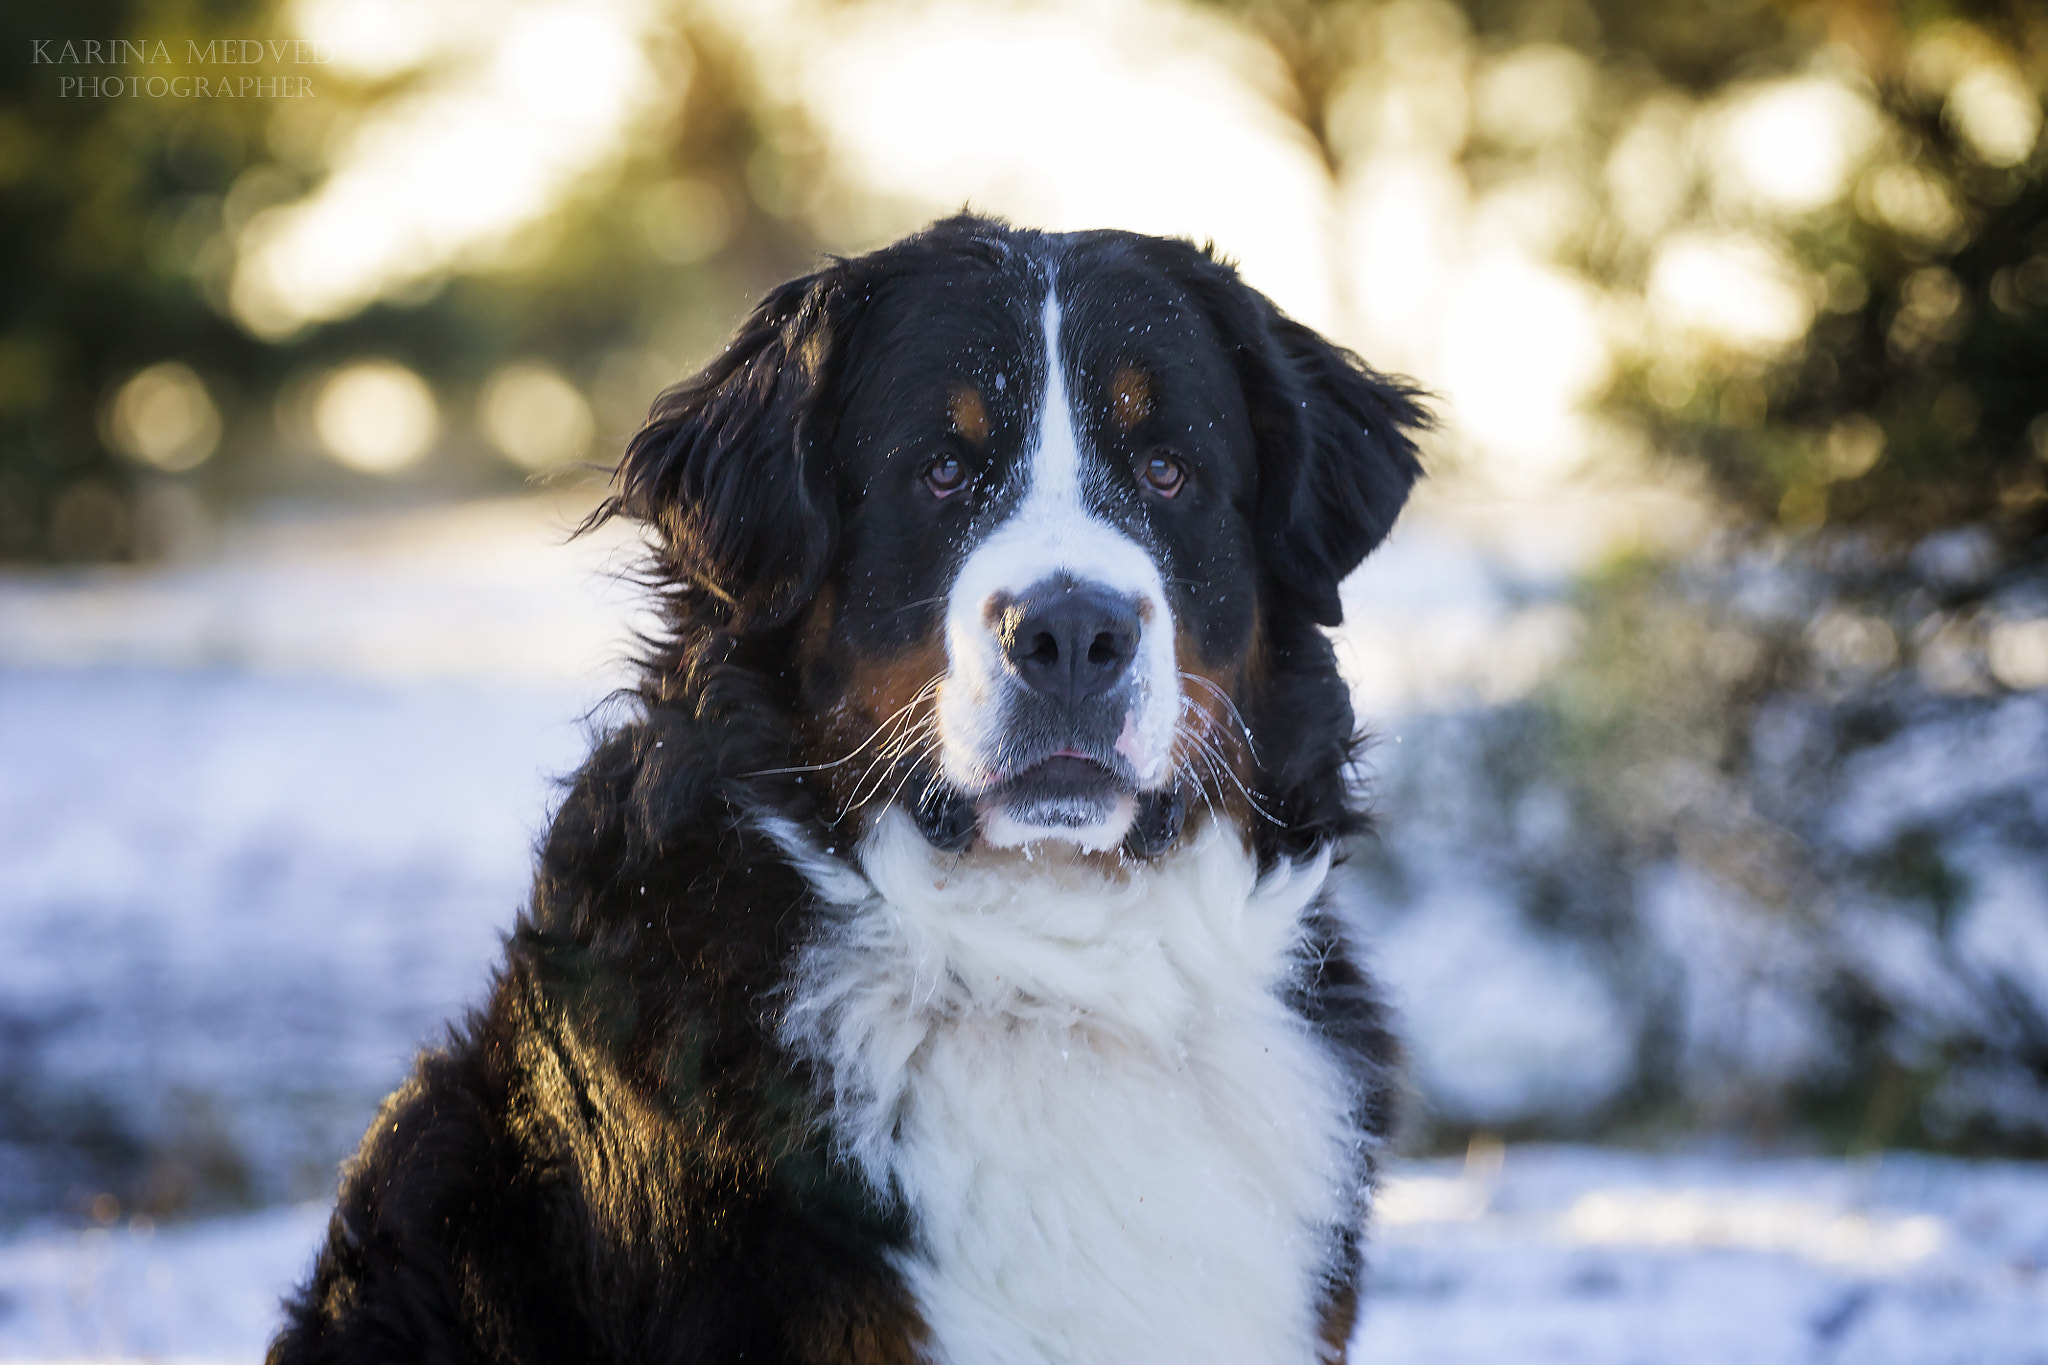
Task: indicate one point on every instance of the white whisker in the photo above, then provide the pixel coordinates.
(877, 733)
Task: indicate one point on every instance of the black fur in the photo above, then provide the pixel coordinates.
(729, 468)
(615, 1160)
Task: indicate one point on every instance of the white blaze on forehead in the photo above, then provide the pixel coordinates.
(1052, 532)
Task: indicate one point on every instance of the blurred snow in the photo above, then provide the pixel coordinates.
(1499, 1022)
(235, 905)
(1746, 1010)
(493, 590)
(263, 817)
(1461, 605)
(1582, 1255)
(1927, 773)
(262, 820)
(205, 1291)
(1538, 1254)
(1730, 840)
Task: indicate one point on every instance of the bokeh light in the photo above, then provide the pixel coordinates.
(1733, 289)
(1791, 146)
(1132, 114)
(164, 418)
(379, 39)
(451, 172)
(376, 416)
(534, 416)
(1996, 113)
(2017, 652)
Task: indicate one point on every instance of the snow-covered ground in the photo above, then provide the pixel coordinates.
(261, 822)
(263, 817)
(235, 905)
(1528, 1255)
(1574, 1254)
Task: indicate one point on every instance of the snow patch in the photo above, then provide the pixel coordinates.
(1501, 1023)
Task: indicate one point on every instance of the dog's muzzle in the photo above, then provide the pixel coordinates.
(1046, 739)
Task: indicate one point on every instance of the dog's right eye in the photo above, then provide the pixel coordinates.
(945, 476)
(1164, 475)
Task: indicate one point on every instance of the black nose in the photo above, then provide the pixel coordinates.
(1071, 641)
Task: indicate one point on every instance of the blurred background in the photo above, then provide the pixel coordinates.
(1709, 673)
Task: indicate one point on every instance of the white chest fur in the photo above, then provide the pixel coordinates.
(1117, 1142)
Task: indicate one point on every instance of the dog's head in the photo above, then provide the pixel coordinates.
(1032, 523)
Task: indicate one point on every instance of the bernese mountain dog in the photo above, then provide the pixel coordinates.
(942, 963)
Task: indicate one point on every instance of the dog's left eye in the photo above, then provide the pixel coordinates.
(1163, 475)
(945, 476)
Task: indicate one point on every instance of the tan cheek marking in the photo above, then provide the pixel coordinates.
(1130, 397)
(891, 696)
(1210, 746)
(969, 414)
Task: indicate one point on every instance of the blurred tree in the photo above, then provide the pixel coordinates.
(133, 391)
(1918, 396)
(1818, 232)
(109, 242)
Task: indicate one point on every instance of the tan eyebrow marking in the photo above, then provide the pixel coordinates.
(969, 414)
(1130, 397)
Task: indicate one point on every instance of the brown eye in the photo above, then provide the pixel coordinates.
(1164, 475)
(945, 476)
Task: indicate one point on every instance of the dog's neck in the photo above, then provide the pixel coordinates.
(1115, 1139)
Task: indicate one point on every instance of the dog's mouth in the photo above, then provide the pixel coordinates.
(1067, 794)
(1063, 790)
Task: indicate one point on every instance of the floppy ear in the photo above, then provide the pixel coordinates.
(1335, 456)
(1336, 459)
(730, 468)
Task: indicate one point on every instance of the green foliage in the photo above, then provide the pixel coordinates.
(120, 228)
(1919, 398)
(1754, 716)
(100, 231)
(1915, 399)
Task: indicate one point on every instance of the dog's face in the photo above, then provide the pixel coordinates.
(1020, 504)
(1052, 525)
